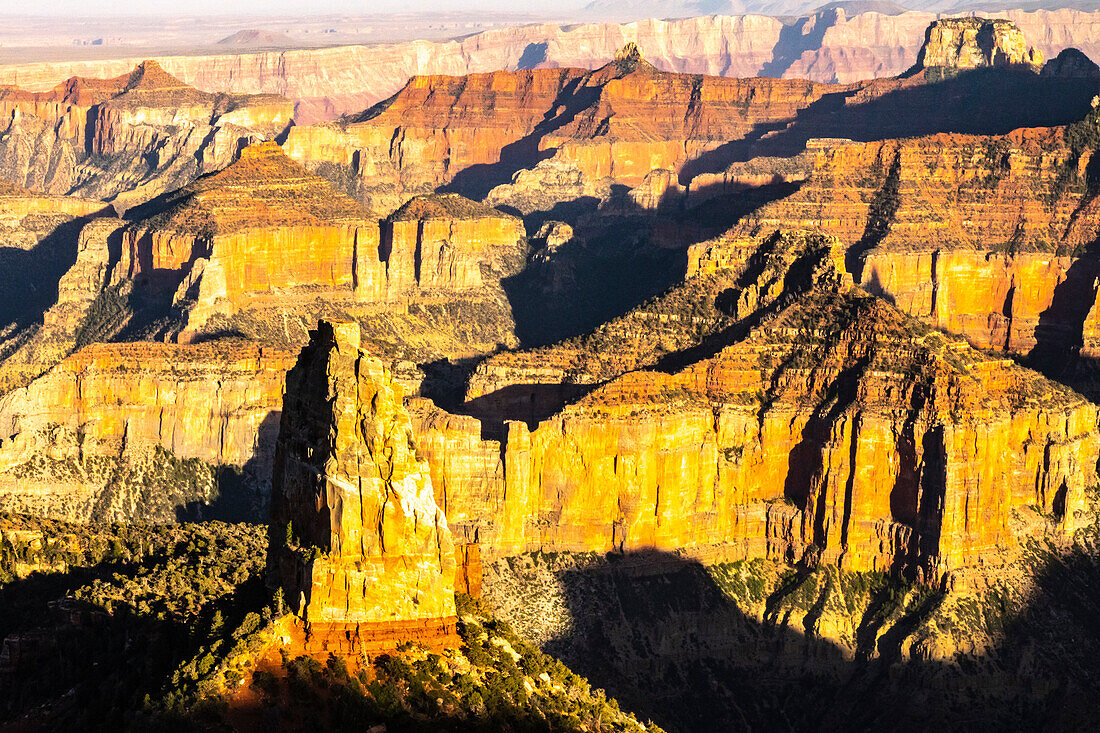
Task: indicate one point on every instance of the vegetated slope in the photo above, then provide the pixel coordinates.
(109, 627)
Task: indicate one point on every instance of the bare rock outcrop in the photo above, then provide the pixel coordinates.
(831, 45)
(357, 542)
(835, 425)
(144, 431)
(973, 43)
(129, 138)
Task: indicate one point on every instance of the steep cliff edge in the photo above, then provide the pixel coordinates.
(51, 269)
(987, 236)
(129, 138)
(263, 248)
(123, 432)
(958, 44)
(473, 133)
(532, 139)
(834, 424)
(357, 542)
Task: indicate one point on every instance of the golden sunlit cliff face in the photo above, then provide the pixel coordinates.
(986, 236)
(357, 541)
(119, 432)
(263, 247)
(813, 418)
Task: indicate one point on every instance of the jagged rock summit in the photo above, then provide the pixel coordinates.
(357, 541)
(959, 44)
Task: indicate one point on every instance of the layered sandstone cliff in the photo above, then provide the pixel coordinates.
(263, 248)
(531, 139)
(612, 125)
(985, 236)
(973, 43)
(119, 432)
(50, 271)
(445, 241)
(128, 138)
(357, 541)
(834, 425)
(258, 227)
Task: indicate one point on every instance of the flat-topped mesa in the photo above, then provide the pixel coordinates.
(249, 231)
(444, 241)
(132, 137)
(960, 44)
(357, 542)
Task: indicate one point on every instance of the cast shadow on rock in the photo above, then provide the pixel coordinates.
(659, 634)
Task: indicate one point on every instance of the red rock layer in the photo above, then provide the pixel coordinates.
(621, 121)
(975, 234)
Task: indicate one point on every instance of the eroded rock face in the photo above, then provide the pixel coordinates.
(129, 138)
(52, 267)
(985, 236)
(443, 241)
(836, 425)
(356, 536)
(973, 43)
(832, 45)
(160, 432)
(612, 125)
(257, 228)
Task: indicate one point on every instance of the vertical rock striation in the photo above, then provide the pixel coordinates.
(357, 539)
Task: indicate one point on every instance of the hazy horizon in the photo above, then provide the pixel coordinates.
(80, 8)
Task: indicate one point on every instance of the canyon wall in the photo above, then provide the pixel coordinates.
(825, 421)
(986, 236)
(128, 138)
(119, 432)
(829, 46)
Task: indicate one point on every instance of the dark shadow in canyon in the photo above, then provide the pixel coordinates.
(476, 181)
(795, 38)
(1059, 334)
(72, 664)
(660, 635)
(621, 256)
(29, 278)
(241, 493)
(976, 102)
(533, 55)
(616, 262)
